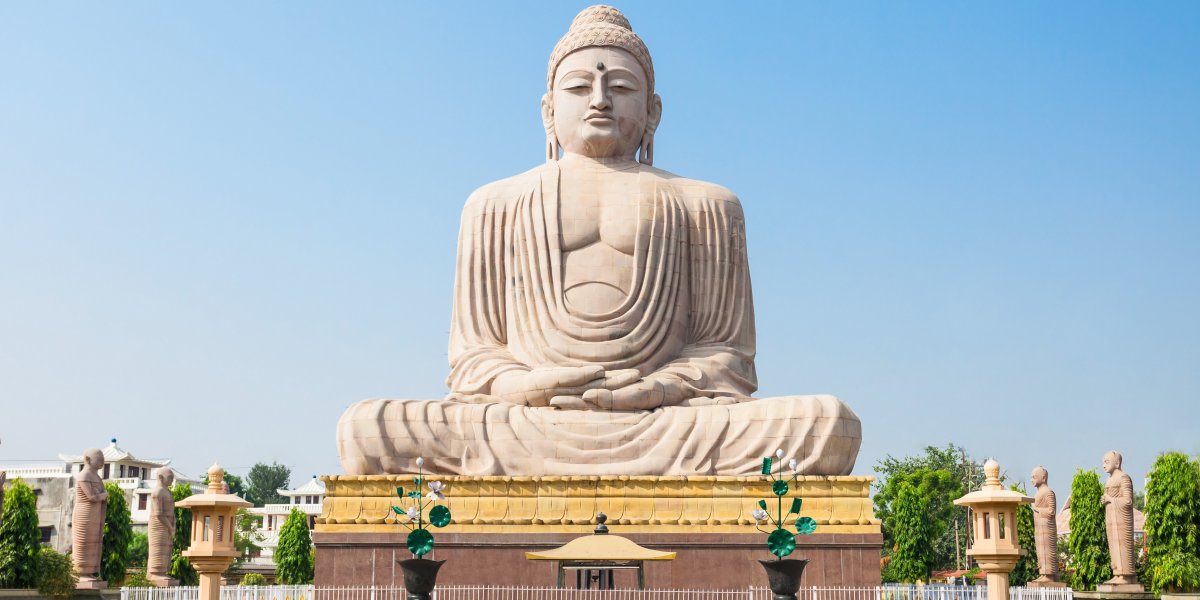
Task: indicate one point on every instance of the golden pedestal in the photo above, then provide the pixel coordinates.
(496, 519)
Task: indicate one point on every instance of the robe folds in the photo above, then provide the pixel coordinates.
(687, 317)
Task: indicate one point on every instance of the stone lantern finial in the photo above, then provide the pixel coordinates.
(991, 469)
(216, 479)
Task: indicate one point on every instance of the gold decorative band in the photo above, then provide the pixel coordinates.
(555, 504)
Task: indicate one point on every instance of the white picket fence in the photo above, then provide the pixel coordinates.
(454, 592)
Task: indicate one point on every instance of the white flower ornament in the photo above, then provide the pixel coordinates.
(759, 514)
(413, 514)
(435, 491)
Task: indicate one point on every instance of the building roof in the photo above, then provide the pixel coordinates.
(114, 454)
(313, 487)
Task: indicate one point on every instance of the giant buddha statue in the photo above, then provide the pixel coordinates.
(603, 321)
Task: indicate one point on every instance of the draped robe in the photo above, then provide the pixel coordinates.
(1118, 522)
(1045, 529)
(687, 318)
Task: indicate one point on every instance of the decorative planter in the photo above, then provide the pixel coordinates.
(420, 576)
(783, 576)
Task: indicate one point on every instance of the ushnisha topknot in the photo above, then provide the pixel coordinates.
(601, 25)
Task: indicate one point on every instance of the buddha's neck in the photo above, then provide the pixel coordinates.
(579, 161)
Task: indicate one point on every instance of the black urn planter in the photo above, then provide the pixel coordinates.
(783, 576)
(420, 576)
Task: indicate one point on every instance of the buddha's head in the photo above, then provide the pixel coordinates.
(600, 99)
(1038, 477)
(165, 477)
(93, 459)
(1112, 461)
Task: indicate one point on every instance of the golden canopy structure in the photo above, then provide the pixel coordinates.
(602, 553)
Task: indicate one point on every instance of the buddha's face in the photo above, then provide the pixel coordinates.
(1038, 477)
(1111, 462)
(600, 103)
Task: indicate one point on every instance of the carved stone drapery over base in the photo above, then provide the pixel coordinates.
(386, 436)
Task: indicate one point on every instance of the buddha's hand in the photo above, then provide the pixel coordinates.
(642, 394)
(538, 387)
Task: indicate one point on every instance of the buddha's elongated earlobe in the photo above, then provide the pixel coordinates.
(548, 123)
(646, 155)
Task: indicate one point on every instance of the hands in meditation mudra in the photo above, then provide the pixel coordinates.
(603, 321)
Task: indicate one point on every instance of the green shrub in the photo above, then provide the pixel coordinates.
(138, 579)
(20, 538)
(139, 550)
(118, 532)
(1027, 566)
(1089, 541)
(56, 575)
(1172, 522)
(181, 567)
(254, 579)
(293, 555)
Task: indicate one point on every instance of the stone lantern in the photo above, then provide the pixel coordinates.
(994, 518)
(214, 518)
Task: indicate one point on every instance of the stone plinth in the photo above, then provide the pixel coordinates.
(705, 520)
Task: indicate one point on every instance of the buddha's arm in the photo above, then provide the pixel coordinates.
(1124, 498)
(719, 358)
(478, 347)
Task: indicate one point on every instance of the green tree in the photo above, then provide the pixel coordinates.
(181, 567)
(912, 556)
(1027, 566)
(237, 486)
(118, 533)
(56, 575)
(293, 555)
(139, 550)
(20, 538)
(1173, 523)
(264, 481)
(1088, 541)
(950, 545)
(246, 536)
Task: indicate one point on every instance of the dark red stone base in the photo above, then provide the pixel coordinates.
(703, 561)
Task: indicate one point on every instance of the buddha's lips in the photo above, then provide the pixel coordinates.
(599, 118)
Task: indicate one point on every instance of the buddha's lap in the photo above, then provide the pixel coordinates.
(386, 436)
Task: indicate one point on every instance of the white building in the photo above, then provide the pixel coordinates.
(54, 485)
(306, 498)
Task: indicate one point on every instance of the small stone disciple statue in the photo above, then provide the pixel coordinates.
(603, 322)
(161, 529)
(1045, 528)
(87, 520)
(1118, 522)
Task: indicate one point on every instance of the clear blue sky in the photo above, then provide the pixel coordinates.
(974, 222)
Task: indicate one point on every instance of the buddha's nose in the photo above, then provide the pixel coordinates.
(599, 100)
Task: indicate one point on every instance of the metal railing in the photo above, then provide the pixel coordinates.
(457, 592)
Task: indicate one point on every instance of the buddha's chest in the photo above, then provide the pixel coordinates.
(600, 222)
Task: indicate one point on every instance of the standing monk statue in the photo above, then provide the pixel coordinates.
(87, 520)
(1118, 522)
(161, 529)
(603, 322)
(1045, 529)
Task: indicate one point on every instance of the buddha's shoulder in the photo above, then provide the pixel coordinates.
(502, 191)
(696, 194)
